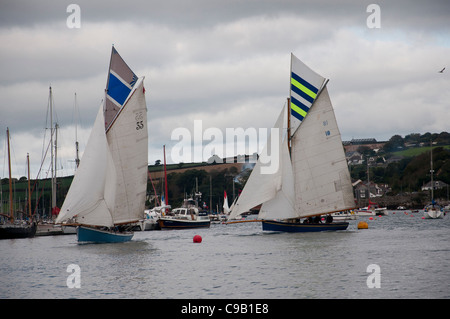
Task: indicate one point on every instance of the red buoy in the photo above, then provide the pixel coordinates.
(197, 239)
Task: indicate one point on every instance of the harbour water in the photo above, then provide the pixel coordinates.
(239, 261)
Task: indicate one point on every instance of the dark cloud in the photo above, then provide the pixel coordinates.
(206, 13)
(225, 62)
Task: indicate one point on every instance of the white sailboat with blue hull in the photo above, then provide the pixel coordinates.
(311, 176)
(107, 195)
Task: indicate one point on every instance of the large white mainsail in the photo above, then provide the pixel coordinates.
(322, 180)
(128, 141)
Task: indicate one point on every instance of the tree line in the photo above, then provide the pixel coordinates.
(411, 170)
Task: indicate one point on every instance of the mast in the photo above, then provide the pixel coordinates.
(29, 188)
(77, 158)
(210, 194)
(288, 124)
(11, 215)
(431, 172)
(166, 199)
(289, 109)
(368, 179)
(154, 189)
(53, 168)
(54, 176)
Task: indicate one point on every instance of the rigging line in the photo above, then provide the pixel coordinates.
(43, 159)
(56, 120)
(45, 130)
(4, 157)
(13, 155)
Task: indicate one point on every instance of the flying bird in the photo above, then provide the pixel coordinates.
(441, 71)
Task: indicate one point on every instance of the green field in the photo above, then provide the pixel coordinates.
(411, 152)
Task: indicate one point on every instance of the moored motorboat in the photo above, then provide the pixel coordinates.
(345, 215)
(185, 217)
(372, 210)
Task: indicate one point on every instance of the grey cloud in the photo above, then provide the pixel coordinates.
(227, 62)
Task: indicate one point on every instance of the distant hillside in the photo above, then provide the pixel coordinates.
(398, 143)
(413, 172)
(401, 162)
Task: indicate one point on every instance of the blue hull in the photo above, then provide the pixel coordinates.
(182, 224)
(272, 225)
(93, 235)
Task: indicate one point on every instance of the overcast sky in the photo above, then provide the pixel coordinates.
(223, 62)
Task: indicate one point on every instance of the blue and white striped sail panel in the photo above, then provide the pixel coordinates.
(305, 84)
(121, 80)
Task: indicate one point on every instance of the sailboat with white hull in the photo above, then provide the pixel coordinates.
(432, 211)
(107, 195)
(312, 178)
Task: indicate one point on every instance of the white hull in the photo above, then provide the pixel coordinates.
(150, 224)
(433, 214)
(69, 229)
(344, 216)
(363, 212)
(381, 211)
(372, 212)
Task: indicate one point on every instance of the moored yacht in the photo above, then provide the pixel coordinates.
(187, 216)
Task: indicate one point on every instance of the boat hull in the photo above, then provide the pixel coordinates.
(364, 212)
(69, 229)
(272, 225)
(170, 223)
(87, 234)
(17, 231)
(433, 214)
(151, 225)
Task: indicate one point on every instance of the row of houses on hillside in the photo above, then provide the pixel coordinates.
(437, 185)
(356, 158)
(367, 190)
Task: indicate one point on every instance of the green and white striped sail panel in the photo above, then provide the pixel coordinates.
(304, 86)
